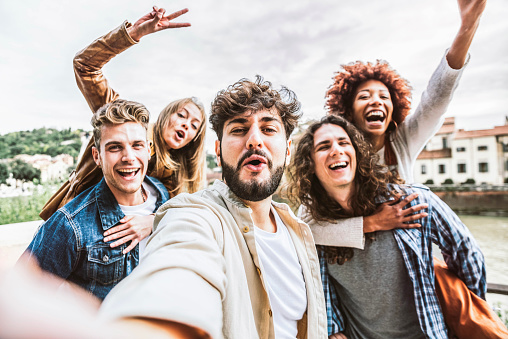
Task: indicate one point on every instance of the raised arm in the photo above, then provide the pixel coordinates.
(88, 62)
(470, 13)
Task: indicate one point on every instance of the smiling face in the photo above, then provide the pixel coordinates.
(253, 154)
(123, 157)
(334, 158)
(372, 108)
(182, 126)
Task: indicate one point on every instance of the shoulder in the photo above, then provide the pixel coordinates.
(83, 201)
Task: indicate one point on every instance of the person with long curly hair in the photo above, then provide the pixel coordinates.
(377, 100)
(176, 139)
(386, 290)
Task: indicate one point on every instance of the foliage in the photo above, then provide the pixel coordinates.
(48, 141)
(469, 181)
(447, 182)
(24, 171)
(211, 161)
(4, 173)
(501, 312)
(23, 208)
(429, 182)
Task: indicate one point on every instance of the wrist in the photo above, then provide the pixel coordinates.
(133, 33)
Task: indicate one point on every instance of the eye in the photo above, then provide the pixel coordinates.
(238, 130)
(114, 148)
(322, 148)
(180, 115)
(139, 145)
(194, 126)
(363, 97)
(270, 130)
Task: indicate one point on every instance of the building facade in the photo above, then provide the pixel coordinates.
(459, 156)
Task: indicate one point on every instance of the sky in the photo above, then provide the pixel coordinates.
(298, 44)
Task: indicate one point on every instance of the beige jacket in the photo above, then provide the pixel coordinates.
(201, 268)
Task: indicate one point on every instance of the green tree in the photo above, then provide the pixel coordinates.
(24, 171)
(4, 173)
(211, 162)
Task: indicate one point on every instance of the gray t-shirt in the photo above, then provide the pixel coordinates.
(376, 292)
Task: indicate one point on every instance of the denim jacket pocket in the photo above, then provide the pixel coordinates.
(105, 264)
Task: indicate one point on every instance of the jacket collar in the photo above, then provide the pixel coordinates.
(109, 211)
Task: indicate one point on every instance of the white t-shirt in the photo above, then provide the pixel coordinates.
(145, 208)
(283, 278)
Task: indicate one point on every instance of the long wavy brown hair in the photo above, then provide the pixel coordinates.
(186, 163)
(371, 179)
(340, 95)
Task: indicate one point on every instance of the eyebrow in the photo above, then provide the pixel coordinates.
(245, 120)
(114, 142)
(327, 141)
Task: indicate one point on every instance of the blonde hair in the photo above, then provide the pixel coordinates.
(118, 112)
(186, 163)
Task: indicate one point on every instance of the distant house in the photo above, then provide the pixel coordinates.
(52, 168)
(459, 155)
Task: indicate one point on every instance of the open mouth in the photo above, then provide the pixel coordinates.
(180, 134)
(338, 165)
(375, 116)
(254, 162)
(128, 172)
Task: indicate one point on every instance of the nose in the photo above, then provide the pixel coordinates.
(185, 124)
(128, 155)
(375, 100)
(336, 150)
(254, 140)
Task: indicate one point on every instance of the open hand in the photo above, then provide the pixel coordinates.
(133, 228)
(391, 215)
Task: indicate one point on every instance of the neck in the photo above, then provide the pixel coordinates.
(342, 196)
(261, 215)
(377, 141)
(129, 199)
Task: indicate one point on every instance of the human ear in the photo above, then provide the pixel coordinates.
(96, 156)
(288, 152)
(217, 152)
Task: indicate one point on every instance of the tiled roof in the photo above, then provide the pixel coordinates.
(497, 130)
(436, 154)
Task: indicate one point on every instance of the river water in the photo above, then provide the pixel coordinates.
(491, 233)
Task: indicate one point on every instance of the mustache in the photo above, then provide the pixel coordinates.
(252, 152)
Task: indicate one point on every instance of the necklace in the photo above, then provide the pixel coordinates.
(143, 194)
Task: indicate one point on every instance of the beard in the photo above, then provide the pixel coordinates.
(252, 190)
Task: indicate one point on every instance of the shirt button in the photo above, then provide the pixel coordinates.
(105, 258)
(270, 313)
(246, 229)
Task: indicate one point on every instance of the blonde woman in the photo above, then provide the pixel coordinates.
(176, 139)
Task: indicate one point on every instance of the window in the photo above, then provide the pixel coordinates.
(505, 147)
(441, 169)
(506, 165)
(482, 148)
(424, 169)
(461, 168)
(461, 149)
(483, 167)
(445, 143)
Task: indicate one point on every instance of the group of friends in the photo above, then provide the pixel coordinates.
(165, 258)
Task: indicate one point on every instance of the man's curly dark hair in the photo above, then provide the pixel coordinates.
(254, 96)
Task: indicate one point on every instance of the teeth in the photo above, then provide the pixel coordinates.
(375, 114)
(130, 170)
(340, 164)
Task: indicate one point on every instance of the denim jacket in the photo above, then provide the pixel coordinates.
(70, 244)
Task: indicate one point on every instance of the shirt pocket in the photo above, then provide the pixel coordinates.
(105, 264)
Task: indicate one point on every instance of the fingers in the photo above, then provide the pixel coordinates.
(131, 246)
(123, 241)
(119, 235)
(177, 14)
(110, 234)
(408, 199)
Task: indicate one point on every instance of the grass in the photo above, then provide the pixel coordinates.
(24, 208)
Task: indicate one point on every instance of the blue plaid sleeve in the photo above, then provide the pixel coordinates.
(460, 250)
(334, 317)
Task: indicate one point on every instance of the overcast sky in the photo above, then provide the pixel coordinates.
(299, 44)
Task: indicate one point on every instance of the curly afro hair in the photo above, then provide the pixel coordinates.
(340, 95)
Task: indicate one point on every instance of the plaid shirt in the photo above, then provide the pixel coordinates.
(460, 252)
